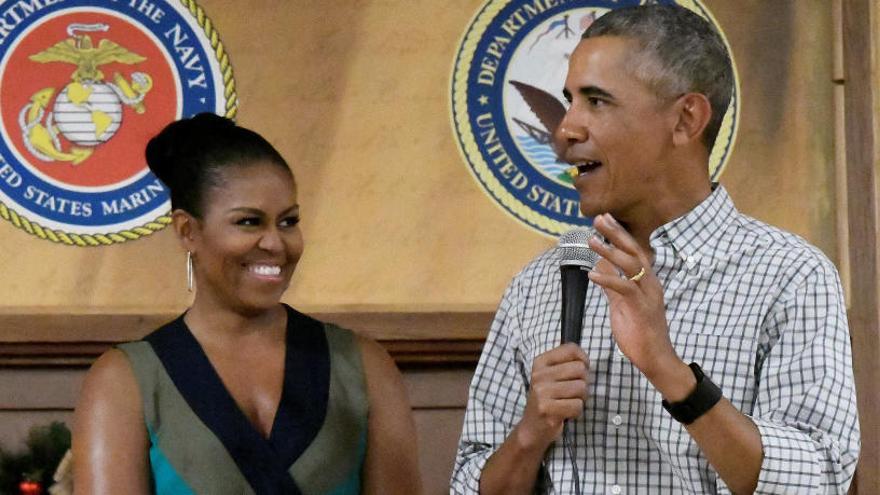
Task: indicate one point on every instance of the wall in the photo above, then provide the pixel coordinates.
(356, 95)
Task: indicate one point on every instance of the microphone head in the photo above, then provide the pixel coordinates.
(574, 250)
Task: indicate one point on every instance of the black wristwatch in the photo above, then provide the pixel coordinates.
(705, 395)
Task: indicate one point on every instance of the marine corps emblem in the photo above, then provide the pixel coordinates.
(506, 104)
(83, 85)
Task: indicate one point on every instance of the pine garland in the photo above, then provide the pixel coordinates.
(45, 447)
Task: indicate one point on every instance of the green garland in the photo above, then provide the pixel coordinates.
(46, 446)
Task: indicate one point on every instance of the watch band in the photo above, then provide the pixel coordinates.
(705, 395)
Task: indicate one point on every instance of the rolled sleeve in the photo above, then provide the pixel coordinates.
(468, 467)
(496, 399)
(806, 404)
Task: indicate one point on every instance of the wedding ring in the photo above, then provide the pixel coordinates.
(638, 276)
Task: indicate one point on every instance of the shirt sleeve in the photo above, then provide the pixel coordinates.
(496, 398)
(805, 408)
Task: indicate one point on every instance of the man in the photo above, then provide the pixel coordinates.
(768, 405)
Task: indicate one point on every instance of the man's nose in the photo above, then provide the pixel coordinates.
(569, 132)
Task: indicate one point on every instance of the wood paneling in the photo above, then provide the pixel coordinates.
(30, 397)
(861, 38)
(412, 339)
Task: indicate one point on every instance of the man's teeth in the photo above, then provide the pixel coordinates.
(583, 167)
(271, 270)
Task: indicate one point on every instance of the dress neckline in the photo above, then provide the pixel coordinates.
(301, 408)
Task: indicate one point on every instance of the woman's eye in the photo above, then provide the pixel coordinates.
(289, 221)
(248, 221)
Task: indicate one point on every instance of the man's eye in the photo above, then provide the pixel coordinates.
(595, 102)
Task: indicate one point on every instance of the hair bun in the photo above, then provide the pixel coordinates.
(176, 150)
(188, 155)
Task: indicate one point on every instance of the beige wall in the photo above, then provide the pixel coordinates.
(356, 95)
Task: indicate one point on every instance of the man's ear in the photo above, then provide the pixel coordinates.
(186, 227)
(693, 114)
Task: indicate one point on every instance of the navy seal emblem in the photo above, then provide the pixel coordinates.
(508, 71)
(83, 85)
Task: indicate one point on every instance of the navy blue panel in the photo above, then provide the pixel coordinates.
(306, 392)
(302, 408)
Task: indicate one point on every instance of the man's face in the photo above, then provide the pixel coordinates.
(616, 131)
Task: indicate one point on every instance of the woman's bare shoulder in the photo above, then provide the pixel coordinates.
(377, 361)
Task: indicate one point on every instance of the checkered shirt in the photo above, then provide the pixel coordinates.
(759, 309)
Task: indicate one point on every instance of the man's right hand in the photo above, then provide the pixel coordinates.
(557, 392)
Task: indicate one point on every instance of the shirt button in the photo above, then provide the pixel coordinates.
(617, 420)
(616, 490)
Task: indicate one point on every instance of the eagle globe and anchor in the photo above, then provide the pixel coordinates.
(88, 111)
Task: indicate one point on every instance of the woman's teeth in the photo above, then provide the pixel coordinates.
(269, 270)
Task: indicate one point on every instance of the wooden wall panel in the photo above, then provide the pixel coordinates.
(861, 28)
(31, 397)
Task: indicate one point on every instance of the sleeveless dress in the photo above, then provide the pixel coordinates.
(201, 442)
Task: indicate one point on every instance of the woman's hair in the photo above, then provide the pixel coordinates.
(190, 155)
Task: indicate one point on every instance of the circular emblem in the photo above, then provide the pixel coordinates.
(509, 68)
(84, 84)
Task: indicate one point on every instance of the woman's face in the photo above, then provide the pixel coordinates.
(248, 242)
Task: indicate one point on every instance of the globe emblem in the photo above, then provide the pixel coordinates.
(88, 113)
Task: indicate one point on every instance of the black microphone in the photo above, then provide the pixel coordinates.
(575, 260)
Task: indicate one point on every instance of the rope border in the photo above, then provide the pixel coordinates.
(149, 228)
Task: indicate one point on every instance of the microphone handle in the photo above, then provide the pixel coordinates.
(574, 293)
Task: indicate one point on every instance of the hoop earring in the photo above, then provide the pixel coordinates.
(189, 271)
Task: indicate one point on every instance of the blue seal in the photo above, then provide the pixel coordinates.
(506, 88)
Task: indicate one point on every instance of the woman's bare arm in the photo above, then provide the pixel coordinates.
(391, 466)
(109, 438)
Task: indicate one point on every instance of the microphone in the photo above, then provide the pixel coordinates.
(575, 260)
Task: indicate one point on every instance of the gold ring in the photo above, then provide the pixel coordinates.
(638, 276)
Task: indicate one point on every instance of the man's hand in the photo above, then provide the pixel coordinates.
(636, 307)
(557, 392)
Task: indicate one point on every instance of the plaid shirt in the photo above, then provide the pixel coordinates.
(759, 309)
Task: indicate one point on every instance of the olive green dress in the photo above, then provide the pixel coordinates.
(201, 442)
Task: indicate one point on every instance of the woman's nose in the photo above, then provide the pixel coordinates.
(271, 240)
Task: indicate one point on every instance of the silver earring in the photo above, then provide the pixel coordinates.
(189, 271)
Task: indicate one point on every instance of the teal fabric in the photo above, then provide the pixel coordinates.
(352, 486)
(167, 481)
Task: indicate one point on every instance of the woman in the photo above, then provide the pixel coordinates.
(241, 394)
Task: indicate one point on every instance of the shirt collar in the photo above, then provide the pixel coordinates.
(698, 235)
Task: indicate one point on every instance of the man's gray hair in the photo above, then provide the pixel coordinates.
(682, 53)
